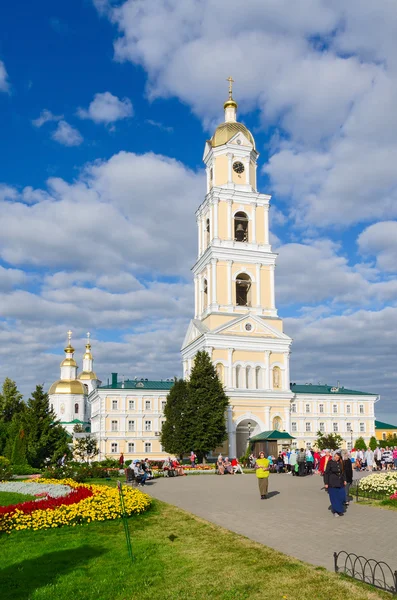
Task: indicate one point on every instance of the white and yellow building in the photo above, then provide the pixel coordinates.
(236, 322)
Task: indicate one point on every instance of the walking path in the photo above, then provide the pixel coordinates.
(295, 519)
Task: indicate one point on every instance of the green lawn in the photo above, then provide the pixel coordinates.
(7, 498)
(177, 557)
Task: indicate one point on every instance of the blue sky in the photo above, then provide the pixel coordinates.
(104, 111)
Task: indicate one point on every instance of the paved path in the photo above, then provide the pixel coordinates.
(295, 519)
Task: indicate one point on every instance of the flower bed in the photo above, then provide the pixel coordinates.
(83, 504)
(379, 483)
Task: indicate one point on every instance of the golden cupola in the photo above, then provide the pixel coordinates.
(88, 363)
(68, 383)
(227, 130)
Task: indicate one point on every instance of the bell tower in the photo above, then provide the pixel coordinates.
(236, 319)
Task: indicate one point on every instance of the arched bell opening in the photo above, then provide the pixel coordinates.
(243, 290)
(240, 227)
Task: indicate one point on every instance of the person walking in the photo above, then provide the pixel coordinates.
(348, 468)
(301, 462)
(262, 468)
(192, 459)
(369, 459)
(335, 481)
(121, 460)
(377, 458)
(395, 458)
(292, 462)
(309, 463)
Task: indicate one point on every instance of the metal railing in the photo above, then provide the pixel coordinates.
(368, 570)
(358, 493)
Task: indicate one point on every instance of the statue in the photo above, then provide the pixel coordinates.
(276, 377)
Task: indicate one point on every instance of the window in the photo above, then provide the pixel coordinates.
(240, 227)
(335, 408)
(362, 427)
(115, 404)
(361, 409)
(131, 425)
(148, 447)
(293, 408)
(115, 426)
(258, 378)
(335, 427)
(321, 408)
(308, 426)
(205, 292)
(148, 405)
(163, 403)
(76, 409)
(243, 290)
(208, 231)
(114, 447)
(348, 427)
(383, 436)
(294, 427)
(307, 408)
(219, 370)
(348, 409)
(148, 426)
(131, 404)
(322, 427)
(131, 447)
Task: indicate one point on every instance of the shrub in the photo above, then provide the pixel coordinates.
(5, 469)
(24, 470)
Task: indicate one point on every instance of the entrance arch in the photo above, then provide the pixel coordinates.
(242, 431)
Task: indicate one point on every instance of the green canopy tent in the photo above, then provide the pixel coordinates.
(269, 442)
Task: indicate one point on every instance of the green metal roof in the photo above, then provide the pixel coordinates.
(138, 384)
(74, 422)
(326, 389)
(271, 435)
(382, 425)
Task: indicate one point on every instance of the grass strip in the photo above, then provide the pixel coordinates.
(8, 498)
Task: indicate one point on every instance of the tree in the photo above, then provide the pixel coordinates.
(360, 444)
(333, 441)
(175, 434)
(11, 401)
(86, 448)
(45, 437)
(373, 443)
(206, 407)
(18, 456)
(78, 428)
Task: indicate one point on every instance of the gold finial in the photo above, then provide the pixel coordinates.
(231, 81)
(69, 347)
(88, 344)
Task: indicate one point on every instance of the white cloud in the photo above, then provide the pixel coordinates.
(4, 83)
(380, 240)
(106, 108)
(10, 278)
(166, 128)
(46, 116)
(67, 135)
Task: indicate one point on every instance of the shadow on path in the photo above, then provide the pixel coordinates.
(20, 580)
(271, 494)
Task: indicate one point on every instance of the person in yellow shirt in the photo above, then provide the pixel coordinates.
(262, 467)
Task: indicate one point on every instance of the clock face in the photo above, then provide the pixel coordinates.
(238, 167)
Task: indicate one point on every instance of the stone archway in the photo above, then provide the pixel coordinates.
(243, 432)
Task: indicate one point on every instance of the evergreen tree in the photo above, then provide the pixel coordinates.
(360, 444)
(175, 435)
(207, 404)
(45, 437)
(331, 441)
(19, 449)
(12, 430)
(373, 443)
(11, 401)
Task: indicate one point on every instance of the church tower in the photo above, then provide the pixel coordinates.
(236, 319)
(87, 376)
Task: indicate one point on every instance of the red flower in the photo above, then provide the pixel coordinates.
(49, 503)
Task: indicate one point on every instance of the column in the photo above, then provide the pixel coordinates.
(266, 223)
(267, 418)
(229, 219)
(247, 171)
(189, 366)
(207, 171)
(253, 224)
(209, 286)
(200, 249)
(230, 368)
(230, 168)
(185, 368)
(215, 221)
(267, 370)
(213, 283)
(258, 284)
(287, 424)
(231, 434)
(196, 297)
(229, 282)
(271, 282)
(287, 375)
(203, 235)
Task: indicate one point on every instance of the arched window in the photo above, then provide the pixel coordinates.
(220, 372)
(207, 230)
(205, 289)
(243, 290)
(247, 377)
(76, 409)
(384, 436)
(240, 227)
(276, 378)
(258, 378)
(238, 376)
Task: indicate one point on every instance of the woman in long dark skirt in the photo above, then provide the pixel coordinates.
(347, 466)
(335, 481)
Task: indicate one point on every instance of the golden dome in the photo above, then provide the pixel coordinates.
(225, 131)
(68, 362)
(86, 375)
(69, 348)
(230, 103)
(65, 386)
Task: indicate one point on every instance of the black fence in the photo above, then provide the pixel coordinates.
(358, 493)
(368, 570)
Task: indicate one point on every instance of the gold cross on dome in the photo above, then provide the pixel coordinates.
(88, 335)
(231, 81)
(69, 336)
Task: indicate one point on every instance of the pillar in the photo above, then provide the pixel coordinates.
(271, 282)
(230, 368)
(253, 224)
(229, 219)
(216, 214)
(200, 249)
(209, 286)
(229, 282)
(247, 171)
(258, 284)
(213, 283)
(287, 416)
(287, 375)
(267, 370)
(231, 433)
(196, 297)
(230, 168)
(266, 223)
(267, 418)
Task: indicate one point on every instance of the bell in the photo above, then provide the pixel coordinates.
(240, 232)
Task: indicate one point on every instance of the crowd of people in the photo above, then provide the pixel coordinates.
(224, 466)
